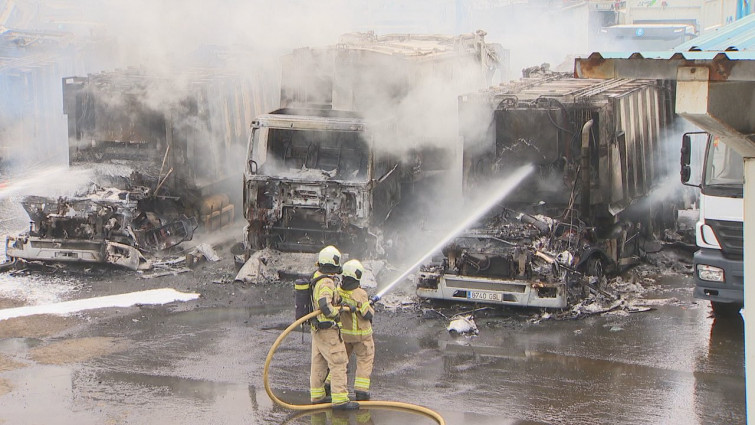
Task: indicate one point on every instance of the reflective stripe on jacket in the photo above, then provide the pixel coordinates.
(354, 325)
(325, 288)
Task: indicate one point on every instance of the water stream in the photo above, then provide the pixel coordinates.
(495, 193)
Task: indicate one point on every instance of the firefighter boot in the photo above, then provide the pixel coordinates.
(325, 399)
(362, 395)
(349, 405)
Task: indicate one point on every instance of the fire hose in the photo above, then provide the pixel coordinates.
(372, 403)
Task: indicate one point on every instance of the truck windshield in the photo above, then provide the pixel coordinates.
(316, 155)
(724, 171)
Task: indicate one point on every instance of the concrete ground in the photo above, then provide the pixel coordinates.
(201, 361)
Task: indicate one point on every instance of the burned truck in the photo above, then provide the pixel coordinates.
(183, 137)
(598, 151)
(170, 150)
(108, 226)
(313, 178)
(326, 168)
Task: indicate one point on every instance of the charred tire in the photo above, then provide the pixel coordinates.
(725, 309)
(595, 267)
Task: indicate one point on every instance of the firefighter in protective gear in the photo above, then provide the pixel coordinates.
(328, 350)
(356, 326)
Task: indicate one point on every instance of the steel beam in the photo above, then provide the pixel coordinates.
(721, 67)
(749, 289)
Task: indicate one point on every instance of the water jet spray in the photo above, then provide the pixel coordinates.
(504, 188)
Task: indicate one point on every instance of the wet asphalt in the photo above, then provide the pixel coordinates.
(201, 362)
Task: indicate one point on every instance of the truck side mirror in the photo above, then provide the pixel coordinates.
(686, 156)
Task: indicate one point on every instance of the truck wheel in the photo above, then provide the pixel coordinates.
(594, 267)
(725, 309)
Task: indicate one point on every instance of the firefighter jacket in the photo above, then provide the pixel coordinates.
(356, 326)
(325, 298)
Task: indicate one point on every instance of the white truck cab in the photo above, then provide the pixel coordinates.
(718, 264)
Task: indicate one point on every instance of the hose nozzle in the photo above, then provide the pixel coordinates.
(374, 299)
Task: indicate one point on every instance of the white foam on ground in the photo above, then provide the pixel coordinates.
(152, 296)
(34, 289)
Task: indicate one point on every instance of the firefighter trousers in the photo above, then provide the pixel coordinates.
(364, 352)
(328, 353)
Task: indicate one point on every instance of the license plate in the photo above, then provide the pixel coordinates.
(484, 296)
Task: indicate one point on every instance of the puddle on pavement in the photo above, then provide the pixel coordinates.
(204, 366)
(42, 394)
(5, 388)
(76, 350)
(7, 363)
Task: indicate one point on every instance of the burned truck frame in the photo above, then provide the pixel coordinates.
(171, 148)
(183, 138)
(313, 177)
(598, 152)
(317, 173)
(107, 226)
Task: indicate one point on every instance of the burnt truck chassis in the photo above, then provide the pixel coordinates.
(318, 182)
(298, 222)
(597, 151)
(518, 259)
(110, 226)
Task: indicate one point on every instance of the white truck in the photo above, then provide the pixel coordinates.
(718, 264)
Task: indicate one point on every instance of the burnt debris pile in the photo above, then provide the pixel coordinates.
(104, 225)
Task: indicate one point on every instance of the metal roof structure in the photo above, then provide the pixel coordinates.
(728, 53)
(737, 36)
(734, 42)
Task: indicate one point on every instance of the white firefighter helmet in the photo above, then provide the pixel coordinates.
(329, 257)
(353, 269)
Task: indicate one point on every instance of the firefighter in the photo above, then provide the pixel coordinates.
(328, 350)
(356, 326)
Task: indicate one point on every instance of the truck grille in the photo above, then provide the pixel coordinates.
(730, 235)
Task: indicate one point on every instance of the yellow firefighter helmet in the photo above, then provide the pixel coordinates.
(353, 269)
(329, 259)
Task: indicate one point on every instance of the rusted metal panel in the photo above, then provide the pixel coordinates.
(721, 67)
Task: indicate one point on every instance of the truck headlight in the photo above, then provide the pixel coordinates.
(710, 273)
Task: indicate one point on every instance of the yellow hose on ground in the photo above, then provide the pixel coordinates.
(372, 403)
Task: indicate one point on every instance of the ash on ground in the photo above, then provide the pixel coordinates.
(626, 293)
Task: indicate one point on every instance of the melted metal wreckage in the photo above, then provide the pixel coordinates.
(536, 256)
(106, 226)
(585, 212)
(314, 177)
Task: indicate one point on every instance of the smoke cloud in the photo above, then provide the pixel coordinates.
(167, 39)
(193, 46)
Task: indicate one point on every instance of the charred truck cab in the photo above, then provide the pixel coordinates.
(314, 178)
(584, 211)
